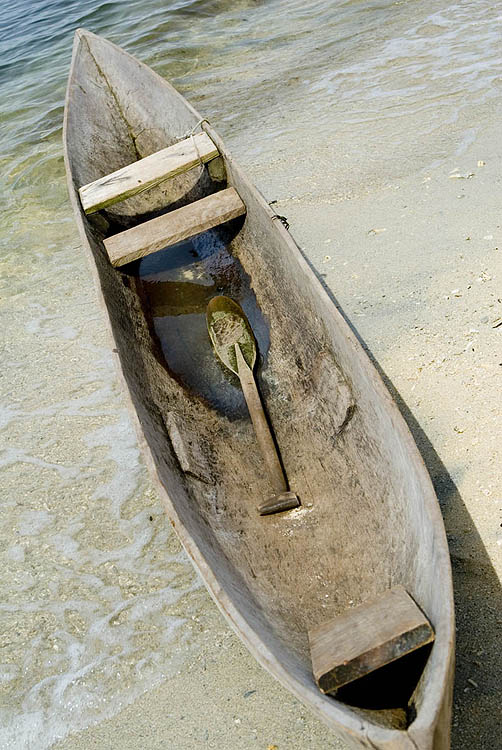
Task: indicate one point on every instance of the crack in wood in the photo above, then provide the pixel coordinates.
(117, 102)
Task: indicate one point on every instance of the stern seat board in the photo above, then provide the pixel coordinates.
(177, 225)
(367, 637)
(147, 172)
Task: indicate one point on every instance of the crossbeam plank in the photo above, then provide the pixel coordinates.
(147, 172)
(366, 638)
(173, 227)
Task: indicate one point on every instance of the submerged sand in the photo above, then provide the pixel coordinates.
(413, 256)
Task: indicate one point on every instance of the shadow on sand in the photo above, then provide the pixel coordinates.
(477, 591)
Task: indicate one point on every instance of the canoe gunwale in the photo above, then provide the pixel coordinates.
(338, 716)
(444, 634)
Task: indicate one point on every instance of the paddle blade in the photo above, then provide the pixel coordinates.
(227, 326)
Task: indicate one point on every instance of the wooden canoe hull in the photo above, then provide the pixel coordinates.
(369, 517)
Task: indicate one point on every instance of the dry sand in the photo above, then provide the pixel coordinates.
(415, 263)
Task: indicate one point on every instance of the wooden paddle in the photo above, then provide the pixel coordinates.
(235, 345)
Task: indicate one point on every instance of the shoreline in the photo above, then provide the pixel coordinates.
(411, 266)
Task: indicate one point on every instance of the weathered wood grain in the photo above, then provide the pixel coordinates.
(367, 637)
(369, 517)
(260, 424)
(147, 172)
(186, 446)
(175, 226)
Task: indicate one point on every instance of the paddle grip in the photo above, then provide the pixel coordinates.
(262, 430)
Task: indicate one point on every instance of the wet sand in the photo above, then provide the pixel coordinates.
(413, 256)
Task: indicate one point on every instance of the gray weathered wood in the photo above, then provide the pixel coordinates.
(367, 637)
(173, 227)
(147, 172)
(260, 424)
(186, 446)
(370, 518)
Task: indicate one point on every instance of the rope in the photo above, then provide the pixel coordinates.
(191, 133)
(282, 219)
(197, 125)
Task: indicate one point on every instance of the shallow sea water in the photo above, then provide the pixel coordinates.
(96, 591)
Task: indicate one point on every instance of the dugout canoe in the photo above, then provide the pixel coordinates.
(369, 518)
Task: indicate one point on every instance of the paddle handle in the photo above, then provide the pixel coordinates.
(260, 424)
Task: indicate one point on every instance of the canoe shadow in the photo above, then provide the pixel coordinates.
(477, 590)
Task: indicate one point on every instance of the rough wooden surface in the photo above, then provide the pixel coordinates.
(367, 637)
(369, 519)
(261, 426)
(147, 172)
(173, 227)
(187, 449)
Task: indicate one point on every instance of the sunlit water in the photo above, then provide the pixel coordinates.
(96, 592)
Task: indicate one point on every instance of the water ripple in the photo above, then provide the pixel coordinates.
(96, 594)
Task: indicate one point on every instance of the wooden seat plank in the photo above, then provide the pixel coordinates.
(366, 638)
(147, 172)
(173, 227)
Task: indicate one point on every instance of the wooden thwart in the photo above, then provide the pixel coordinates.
(366, 638)
(173, 227)
(147, 172)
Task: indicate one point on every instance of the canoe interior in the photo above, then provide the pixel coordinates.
(368, 519)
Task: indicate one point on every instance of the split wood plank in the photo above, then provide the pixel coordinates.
(366, 638)
(186, 445)
(147, 172)
(173, 227)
